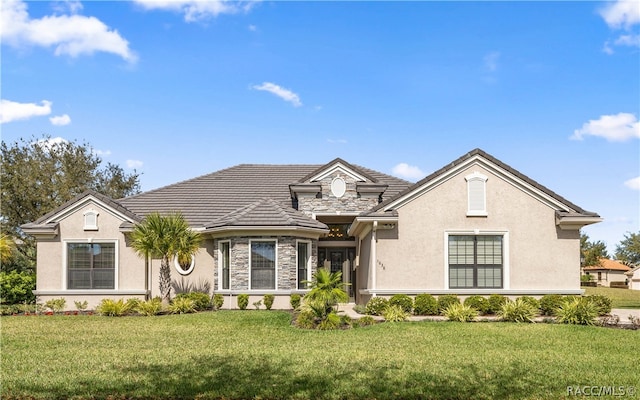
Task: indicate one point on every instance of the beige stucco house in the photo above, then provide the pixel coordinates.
(634, 278)
(607, 271)
(476, 226)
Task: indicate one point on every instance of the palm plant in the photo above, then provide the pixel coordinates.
(164, 237)
(327, 290)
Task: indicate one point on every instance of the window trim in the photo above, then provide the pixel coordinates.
(221, 265)
(275, 241)
(477, 177)
(116, 267)
(309, 262)
(479, 232)
(87, 226)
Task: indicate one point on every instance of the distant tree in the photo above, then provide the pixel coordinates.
(164, 237)
(591, 252)
(7, 247)
(628, 250)
(40, 174)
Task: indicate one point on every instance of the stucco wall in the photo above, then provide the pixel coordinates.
(540, 256)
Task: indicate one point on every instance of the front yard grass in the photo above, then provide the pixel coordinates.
(258, 354)
(620, 298)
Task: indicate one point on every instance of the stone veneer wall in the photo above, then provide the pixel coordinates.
(286, 261)
(350, 202)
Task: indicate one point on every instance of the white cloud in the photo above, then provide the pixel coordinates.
(60, 120)
(133, 164)
(13, 111)
(628, 40)
(198, 10)
(404, 170)
(337, 141)
(253, 28)
(633, 184)
(614, 128)
(491, 61)
(102, 153)
(72, 35)
(68, 6)
(284, 94)
(621, 14)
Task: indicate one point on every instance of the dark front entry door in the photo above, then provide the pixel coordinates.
(339, 259)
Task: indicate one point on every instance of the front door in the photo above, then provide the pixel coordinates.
(339, 259)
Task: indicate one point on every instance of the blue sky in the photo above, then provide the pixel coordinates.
(177, 89)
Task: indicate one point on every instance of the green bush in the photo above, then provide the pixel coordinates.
(518, 311)
(394, 313)
(201, 301)
(218, 301)
(376, 305)
(478, 302)
(403, 301)
(577, 311)
(532, 301)
(295, 300)
(549, 303)
(17, 287)
(56, 305)
(366, 321)
(112, 308)
(81, 305)
(425, 304)
(346, 321)
(586, 278)
(360, 309)
(150, 307)
(268, 301)
(132, 303)
(306, 320)
(460, 312)
(330, 322)
(496, 301)
(445, 300)
(601, 302)
(182, 305)
(243, 301)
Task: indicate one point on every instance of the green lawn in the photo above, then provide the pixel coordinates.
(620, 298)
(258, 354)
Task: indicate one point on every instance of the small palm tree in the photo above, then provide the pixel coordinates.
(165, 237)
(327, 290)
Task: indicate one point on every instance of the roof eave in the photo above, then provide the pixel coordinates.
(41, 231)
(575, 222)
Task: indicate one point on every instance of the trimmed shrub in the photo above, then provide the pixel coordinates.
(295, 300)
(402, 300)
(112, 308)
(56, 305)
(478, 302)
(496, 301)
(268, 301)
(150, 307)
(549, 303)
(330, 322)
(17, 287)
(602, 303)
(306, 320)
(201, 301)
(243, 301)
(579, 311)
(182, 305)
(218, 301)
(367, 320)
(445, 300)
(394, 313)
(532, 301)
(460, 313)
(425, 304)
(518, 311)
(376, 305)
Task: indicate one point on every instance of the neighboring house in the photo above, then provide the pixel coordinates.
(476, 226)
(608, 271)
(634, 278)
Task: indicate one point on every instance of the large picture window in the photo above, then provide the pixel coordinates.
(475, 261)
(91, 265)
(304, 257)
(225, 253)
(263, 264)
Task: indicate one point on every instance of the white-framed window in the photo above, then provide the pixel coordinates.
(477, 259)
(224, 264)
(263, 262)
(90, 220)
(303, 263)
(91, 265)
(476, 194)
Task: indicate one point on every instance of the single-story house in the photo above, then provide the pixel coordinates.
(634, 278)
(475, 226)
(608, 271)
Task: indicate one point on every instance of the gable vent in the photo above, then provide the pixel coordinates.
(476, 192)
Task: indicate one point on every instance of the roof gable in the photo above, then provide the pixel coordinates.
(338, 166)
(497, 167)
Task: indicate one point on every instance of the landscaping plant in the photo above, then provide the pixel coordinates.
(294, 300)
(81, 305)
(496, 301)
(460, 313)
(268, 301)
(182, 305)
(218, 301)
(402, 300)
(394, 313)
(445, 300)
(549, 303)
(478, 302)
(376, 305)
(56, 305)
(425, 304)
(112, 308)
(150, 307)
(601, 303)
(243, 301)
(517, 311)
(577, 311)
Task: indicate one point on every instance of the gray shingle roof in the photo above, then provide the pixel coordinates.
(210, 197)
(266, 212)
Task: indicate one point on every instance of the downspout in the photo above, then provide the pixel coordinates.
(147, 295)
(373, 261)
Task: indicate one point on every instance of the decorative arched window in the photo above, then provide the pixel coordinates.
(184, 264)
(90, 220)
(476, 194)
